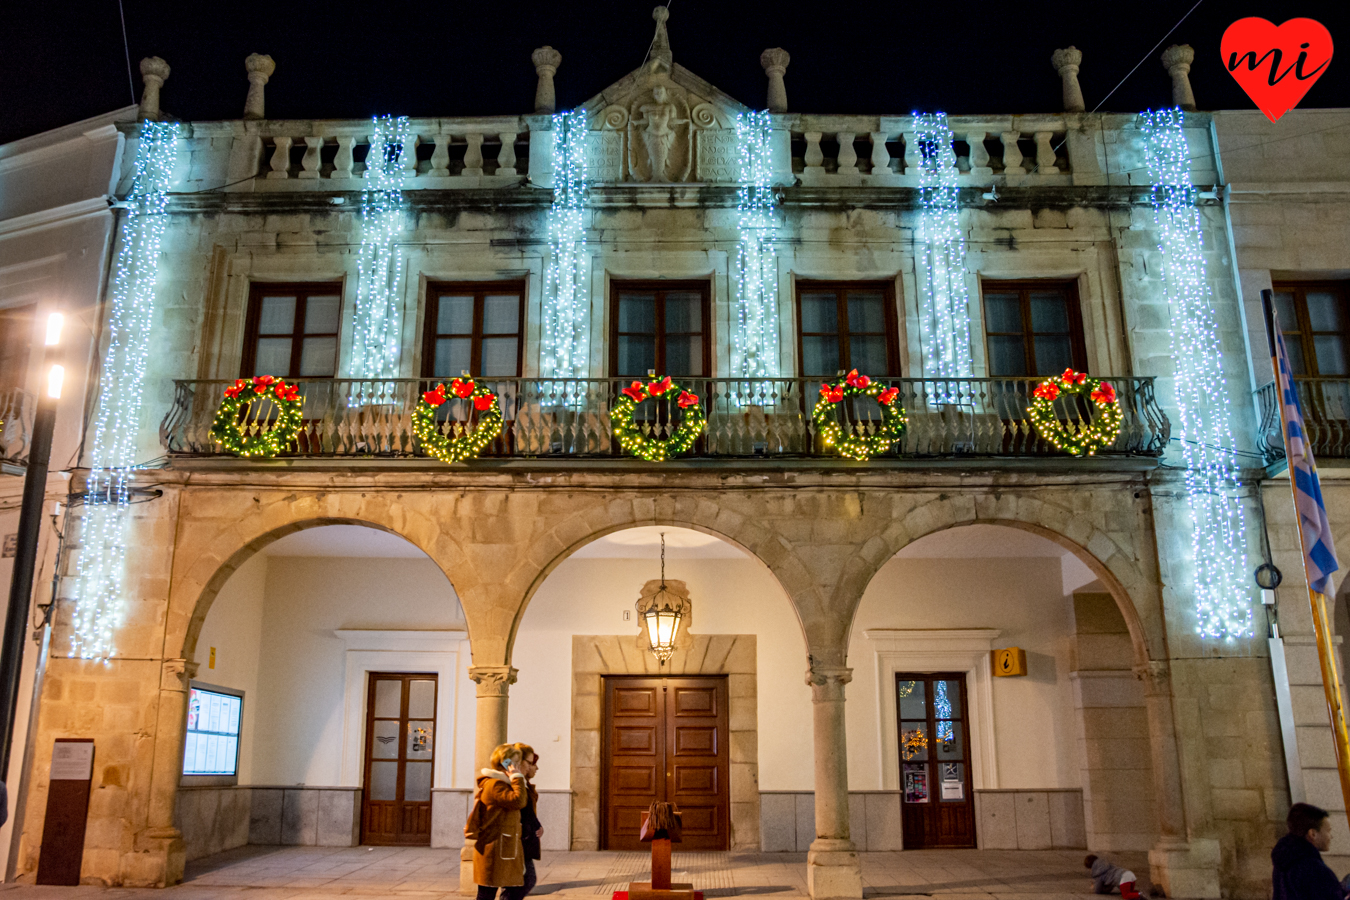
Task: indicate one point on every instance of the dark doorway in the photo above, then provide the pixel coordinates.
(400, 758)
(938, 807)
(665, 739)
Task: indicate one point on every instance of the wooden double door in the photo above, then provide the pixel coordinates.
(937, 805)
(400, 759)
(665, 739)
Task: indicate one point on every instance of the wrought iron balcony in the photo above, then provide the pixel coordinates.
(1326, 417)
(568, 418)
(16, 429)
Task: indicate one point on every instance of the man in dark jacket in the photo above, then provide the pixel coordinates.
(531, 831)
(1299, 872)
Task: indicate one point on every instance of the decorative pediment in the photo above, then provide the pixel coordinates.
(662, 124)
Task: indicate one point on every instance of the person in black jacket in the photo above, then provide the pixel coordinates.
(531, 831)
(1299, 872)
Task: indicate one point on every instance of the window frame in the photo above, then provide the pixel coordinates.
(1023, 287)
(479, 289)
(302, 290)
(659, 287)
(1306, 336)
(186, 780)
(841, 289)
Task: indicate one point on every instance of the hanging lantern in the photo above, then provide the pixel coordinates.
(662, 610)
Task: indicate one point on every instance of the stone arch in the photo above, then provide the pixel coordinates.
(1118, 567)
(746, 539)
(222, 567)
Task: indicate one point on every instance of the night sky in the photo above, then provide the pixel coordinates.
(63, 60)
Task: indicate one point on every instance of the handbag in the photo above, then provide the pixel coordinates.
(663, 820)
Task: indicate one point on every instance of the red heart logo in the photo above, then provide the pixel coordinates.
(1276, 64)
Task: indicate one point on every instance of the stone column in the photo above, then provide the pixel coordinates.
(775, 62)
(494, 683)
(832, 863)
(1177, 60)
(259, 68)
(1181, 865)
(546, 61)
(1066, 63)
(154, 72)
(161, 840)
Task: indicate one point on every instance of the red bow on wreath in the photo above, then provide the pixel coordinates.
(1047, 390)
(482, 402)
(886, 396)
(1104, 394)
(657, 388)
(832, 394)
(286, 391)
(853, 379)
(1072, 377)
(461, 388)
(686, 399)
(436, 397)
(636, 391)
(234, 390)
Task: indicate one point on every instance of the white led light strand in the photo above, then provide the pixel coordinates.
(941, 254)
(101, 570)
(755, 339)
(566, 326)
(1222, 599)
(377, 322)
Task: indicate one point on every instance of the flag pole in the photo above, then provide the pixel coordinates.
(1326, 650)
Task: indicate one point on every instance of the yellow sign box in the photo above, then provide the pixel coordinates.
(1009, 661)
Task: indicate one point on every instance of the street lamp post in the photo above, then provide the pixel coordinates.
(25, 556)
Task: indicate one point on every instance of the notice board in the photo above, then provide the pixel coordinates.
(67, 811)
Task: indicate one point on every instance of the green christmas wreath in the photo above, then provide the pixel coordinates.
(226, 430)
(467, 442)
(1100, 432)
(846, 443)
(629, 432)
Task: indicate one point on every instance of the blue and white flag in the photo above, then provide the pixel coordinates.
(1319, 549)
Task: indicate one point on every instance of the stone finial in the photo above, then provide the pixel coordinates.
(154, 72)
(1066, 63)
(660, 55)
(1177, 60)
(546, 61)
(259, 68)
(775, 62)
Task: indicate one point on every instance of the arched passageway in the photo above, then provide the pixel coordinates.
(329, 674)
(948, 749)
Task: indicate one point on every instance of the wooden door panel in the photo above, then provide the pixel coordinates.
(400, 725)
(937, 803)
(665, 740)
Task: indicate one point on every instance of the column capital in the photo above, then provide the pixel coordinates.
(827, 682)
(176, 674)
(493, 681)
(546, 61)
(1156, 674)
(259, 68)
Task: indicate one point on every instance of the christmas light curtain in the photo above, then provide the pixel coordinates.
(755, 338)
(100, 568)
(565, 340)
(1222, 597)
(944, 301)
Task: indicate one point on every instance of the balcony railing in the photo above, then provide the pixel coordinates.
(1326, 417)
(16, 428)
(765, 417)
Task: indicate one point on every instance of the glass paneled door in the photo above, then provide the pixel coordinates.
(400, 756)
(937, 805)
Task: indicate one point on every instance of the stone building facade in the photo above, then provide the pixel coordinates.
(1160, 740)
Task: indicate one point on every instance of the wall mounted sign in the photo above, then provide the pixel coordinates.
(67, 812)
(1009, 661)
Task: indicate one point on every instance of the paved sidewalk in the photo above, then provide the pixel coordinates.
(419, 873)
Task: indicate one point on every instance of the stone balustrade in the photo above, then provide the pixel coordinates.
(883, 151)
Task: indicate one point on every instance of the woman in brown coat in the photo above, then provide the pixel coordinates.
(494, 825)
